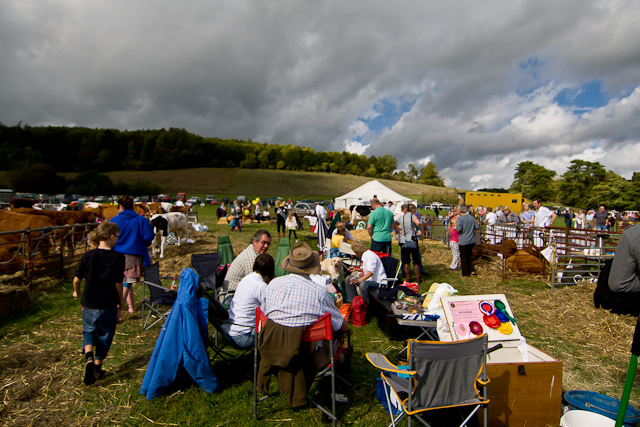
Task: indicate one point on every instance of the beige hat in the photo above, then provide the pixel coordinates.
(358, 246)
(301, 260)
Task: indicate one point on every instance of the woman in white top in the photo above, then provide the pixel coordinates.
(491, 219)
(248, 294)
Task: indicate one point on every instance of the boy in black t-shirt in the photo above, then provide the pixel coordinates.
(103, 271)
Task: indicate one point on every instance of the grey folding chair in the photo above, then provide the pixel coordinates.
(440, 375)
(158, 296)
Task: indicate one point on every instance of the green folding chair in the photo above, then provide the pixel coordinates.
(226, 250)
(282, 253)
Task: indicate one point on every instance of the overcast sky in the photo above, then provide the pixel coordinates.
(475, 86)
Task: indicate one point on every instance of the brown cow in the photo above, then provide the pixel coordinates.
(13, 257)
(71, 237)
(106, 212)
(488, 250)
(61, 217)
(40, 240)
(522, 260)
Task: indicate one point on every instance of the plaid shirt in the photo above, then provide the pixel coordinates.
(296, 300)
(240, 267)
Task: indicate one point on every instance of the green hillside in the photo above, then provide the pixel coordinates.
(264, 182)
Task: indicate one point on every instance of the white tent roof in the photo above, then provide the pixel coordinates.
(367, 191)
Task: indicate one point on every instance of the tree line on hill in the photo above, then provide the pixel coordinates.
(36, 154)
(584, 185)
(75, 149)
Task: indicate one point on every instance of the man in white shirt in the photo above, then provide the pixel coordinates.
(321, 212)
(321, 226)
(372, 272)
(544, 217)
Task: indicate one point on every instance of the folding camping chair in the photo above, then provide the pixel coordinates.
(317, 331)
(351, 259)
(282, 252)
(211, 275)
(217, 315)
(226, 250)
(440, 375)
(392, 270)
(158, 296)
(206, 266)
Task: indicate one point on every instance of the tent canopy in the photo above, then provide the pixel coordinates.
(367, 191)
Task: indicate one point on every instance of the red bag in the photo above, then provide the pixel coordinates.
(345, 310)
(360, 313)
(412, 286)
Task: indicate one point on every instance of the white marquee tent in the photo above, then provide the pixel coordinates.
(367, 191)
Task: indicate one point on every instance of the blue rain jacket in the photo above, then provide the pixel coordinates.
(181, 342)
(136, 234)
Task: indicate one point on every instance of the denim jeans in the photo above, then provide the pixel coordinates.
(384, 247)
(364, 289)
(246, 340)
(601, 227)
(99, 327)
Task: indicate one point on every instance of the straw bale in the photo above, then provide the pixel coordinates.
(14, 299)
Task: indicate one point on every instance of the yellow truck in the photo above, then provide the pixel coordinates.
(478, 198)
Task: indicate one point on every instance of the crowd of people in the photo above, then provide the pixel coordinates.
(120, 255)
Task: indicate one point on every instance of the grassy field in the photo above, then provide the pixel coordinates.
(41, 367)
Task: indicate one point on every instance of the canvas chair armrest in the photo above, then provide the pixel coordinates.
(382, 363)
(155, 285)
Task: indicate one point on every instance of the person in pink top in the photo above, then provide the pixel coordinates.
(453, 244)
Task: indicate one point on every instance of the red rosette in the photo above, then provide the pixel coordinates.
(476, 328)
(492, 321)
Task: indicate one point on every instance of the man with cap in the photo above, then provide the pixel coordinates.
(291, 303)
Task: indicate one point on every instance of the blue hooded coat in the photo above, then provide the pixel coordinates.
(136, 234)
(181, 342)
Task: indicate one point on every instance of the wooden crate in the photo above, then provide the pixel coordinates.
(522, 392)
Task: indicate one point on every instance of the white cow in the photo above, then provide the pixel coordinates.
(163, 224)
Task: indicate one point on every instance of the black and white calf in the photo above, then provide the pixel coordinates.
(163, 224)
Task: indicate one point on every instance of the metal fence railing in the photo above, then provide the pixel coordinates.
(43, 251)
(576, 254)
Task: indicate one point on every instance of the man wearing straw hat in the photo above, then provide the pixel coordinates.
(296, 300)
(291, 303)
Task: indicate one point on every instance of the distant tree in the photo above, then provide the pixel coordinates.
(400, 176)
(493, 190)
(632, 195)
(611, 192)
(429, 175)
(92, 183)
(412, 172)
(576, 184)
(534, 181)
(39, 178)
(250, 161)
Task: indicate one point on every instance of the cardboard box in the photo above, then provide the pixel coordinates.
(522, 393)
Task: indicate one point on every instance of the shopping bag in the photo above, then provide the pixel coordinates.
(345, 310)
(360, 316)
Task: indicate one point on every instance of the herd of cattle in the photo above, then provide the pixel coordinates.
(30, 237)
